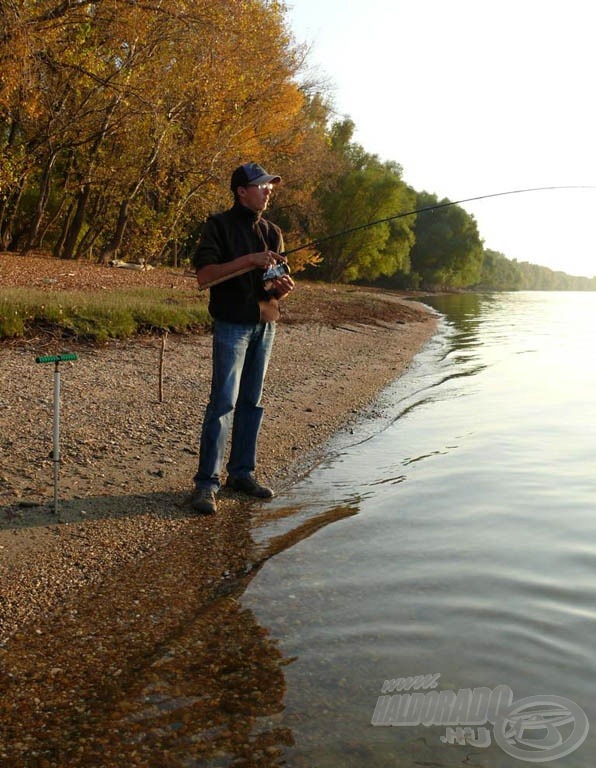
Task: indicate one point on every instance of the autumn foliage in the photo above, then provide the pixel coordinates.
(120, 121)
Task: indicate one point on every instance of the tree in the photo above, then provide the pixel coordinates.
(448, 250)
(308, 170)
(499, 273)
(365, 190)
(119, 122)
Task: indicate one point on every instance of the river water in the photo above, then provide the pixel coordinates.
(462, 548)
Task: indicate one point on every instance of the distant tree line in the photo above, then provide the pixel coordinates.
(120, 122)
(500, 273)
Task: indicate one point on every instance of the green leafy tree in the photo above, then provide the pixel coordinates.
(365, 190)
(448, 250)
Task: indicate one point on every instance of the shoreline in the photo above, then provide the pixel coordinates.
(127, 460)
(89, 606)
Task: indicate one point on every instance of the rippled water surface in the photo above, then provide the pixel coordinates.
(464, 544)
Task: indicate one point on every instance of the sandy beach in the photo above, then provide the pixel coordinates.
(89, 592)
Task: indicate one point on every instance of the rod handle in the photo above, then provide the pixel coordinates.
(217, 281)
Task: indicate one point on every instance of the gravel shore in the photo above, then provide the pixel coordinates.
(125, 537)
(127, 460)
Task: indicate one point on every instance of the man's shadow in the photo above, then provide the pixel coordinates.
(158, 664)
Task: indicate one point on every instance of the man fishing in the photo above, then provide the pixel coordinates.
(236, 248)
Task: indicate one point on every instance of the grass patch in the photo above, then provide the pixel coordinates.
(102, 315)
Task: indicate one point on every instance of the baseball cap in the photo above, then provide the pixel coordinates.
(251, 173)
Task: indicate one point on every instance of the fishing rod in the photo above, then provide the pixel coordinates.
(424, 210)
(282, 268)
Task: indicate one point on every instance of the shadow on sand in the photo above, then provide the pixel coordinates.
(158, 664)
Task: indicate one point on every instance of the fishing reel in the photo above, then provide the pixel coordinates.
(279, 270)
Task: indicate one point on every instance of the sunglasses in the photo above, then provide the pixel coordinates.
(268, 186)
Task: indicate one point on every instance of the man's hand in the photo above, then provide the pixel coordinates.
(281, 286)
(264, 259)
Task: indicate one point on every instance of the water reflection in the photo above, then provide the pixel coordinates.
(214, 695)
(470, 555)
(464, 310)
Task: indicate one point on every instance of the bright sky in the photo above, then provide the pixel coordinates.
(474, 97)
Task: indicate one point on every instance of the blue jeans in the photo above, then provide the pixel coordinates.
(240, 358)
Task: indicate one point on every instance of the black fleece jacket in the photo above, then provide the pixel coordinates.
(225, 237)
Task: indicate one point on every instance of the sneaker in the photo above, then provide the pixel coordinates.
(203, 501)
(249, 486)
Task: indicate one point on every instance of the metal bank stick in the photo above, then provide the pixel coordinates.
(56, 359)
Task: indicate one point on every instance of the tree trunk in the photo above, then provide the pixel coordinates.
(74, 227)
(59, 246)
(9, 208)
(111, 250)
(32, 240)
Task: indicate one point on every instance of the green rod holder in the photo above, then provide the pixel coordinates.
(56, 359)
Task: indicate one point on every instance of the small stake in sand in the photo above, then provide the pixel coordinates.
(56, 359)
(161, 363)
